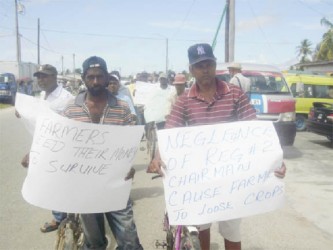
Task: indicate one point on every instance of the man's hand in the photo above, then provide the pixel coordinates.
(25, 161)
(281, 172)
(155, 166)
(130, 174)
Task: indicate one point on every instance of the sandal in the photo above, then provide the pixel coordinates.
(49, 226)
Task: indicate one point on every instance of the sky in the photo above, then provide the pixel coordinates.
(133, 35)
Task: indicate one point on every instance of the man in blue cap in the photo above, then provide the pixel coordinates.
(210, 101)
(98, 105)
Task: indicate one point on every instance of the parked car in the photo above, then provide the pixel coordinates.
(307, 89)
(8, 88)
(320, 119)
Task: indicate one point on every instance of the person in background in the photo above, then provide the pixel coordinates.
(113, 87)
(98, 105)
(25, 87)
(57, 97)
(82, 86)
(180, 83)
(209, 101)
(30, 87)
(21, 87)
(159, 103)
(235, 71)
(123, 90)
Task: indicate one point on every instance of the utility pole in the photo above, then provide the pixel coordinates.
(74, 70)
(38, 44)
(62, 65)
(230, 31)
(166, 52)
(18, 38)
(167, 57)
(226, 37)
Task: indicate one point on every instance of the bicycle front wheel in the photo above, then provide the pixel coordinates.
(170, 240)
(190, 242)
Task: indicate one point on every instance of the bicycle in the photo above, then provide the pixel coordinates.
(70, 234)
(178, 237)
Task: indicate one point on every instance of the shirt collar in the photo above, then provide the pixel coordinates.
(222, 88)
(81, 97)
(53, 95)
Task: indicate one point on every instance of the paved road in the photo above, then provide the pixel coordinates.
(305, 222)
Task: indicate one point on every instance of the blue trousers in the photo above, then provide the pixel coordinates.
(59, 216)
(121, 224)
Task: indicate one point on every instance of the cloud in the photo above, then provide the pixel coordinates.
(180, 25)
(36, 2)
(311, 26)
(255, 23)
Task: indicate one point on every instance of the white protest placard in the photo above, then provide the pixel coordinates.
(143, 90)
(29, 109)
(79, 167)
(220, 172)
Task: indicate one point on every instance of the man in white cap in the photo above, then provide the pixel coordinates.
(235, 70)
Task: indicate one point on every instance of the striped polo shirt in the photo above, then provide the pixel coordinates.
(116, 112)
(229, 104)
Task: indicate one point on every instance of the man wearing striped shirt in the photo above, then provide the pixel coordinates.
(210, 101)
(98, 105)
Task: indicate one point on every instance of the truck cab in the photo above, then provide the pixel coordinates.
(270, 95)
(8, 88)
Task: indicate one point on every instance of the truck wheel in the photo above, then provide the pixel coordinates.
(300, 122)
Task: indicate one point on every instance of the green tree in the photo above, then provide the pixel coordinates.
(304, 50)
(315, 53)
(325, 52)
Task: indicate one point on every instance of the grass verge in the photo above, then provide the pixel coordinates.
(3, 105)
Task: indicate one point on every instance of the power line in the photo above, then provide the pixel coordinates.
(100, 35)
(311, 8)
(47, 49)
(262, 31)
(184, 19)
(328, 3)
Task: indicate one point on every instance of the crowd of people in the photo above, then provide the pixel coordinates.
(104, 100)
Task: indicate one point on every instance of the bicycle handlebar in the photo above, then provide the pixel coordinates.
(156, 176)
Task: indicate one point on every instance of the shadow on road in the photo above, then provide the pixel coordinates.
(290, 152)
(151, 192)
(327, 143)
(140, 167)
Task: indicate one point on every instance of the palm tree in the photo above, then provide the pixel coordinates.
(326, 22)
(325, 52)
(304, 50)
(315, 53)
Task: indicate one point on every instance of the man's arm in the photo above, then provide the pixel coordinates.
(156, 164)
